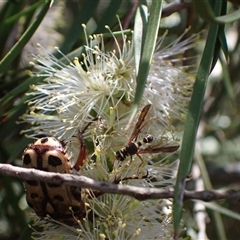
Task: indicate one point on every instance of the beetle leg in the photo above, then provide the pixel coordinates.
(83, 148)
(82, 153)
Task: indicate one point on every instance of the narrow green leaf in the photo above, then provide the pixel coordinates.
(4, 10)
(231, 17)
(26, 233)
(222, 210)
(18, 148)
(13, 115)
(227, 81)
(15, 17)
(204, 10)
(109, 15)
(221, 32)
(10, 192)
(17, 48)
(76, 29)
(19, 89)
(148, 47)
(193, 118)
(223, 41)
(140, 23)
(6, 30)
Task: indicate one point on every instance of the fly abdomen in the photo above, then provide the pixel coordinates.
(129, 150)
(132, 148)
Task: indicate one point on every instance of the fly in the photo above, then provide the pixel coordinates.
(134, 147)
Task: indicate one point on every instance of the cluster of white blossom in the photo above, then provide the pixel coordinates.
(102, 86)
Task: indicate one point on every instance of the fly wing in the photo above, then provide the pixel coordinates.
(160, 148)
(140, 122)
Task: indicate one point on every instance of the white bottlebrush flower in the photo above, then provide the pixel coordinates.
(102, 85)
(72, 94)
(113, 217)
(169, 86)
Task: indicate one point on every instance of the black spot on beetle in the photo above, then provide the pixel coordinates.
(76, 192)
(44, 140)
(26, 159)
(76, 209)
(34, 195)
(55, 215)
(32, 182)
(59, 198)
(54, 161)
(69, 222)
(53, 185)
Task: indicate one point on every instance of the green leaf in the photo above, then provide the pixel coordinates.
(15, 17)
(26, 233)
(109, 15)
(140, 24)
(204, 10)
(19, 89)
(223, 41)
(12, 197)
(76, 29)
(193, 118)
(227, 81)
(221, 33)
(17, 48)
(231, 17)
(222, 210)
(148, 46)
(9, 9)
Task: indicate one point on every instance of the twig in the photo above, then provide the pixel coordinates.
(139, 193)
(175, 7)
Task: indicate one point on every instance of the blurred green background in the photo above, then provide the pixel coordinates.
(25, 23)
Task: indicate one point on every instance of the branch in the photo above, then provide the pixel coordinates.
(139, 193)
(175, 7)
